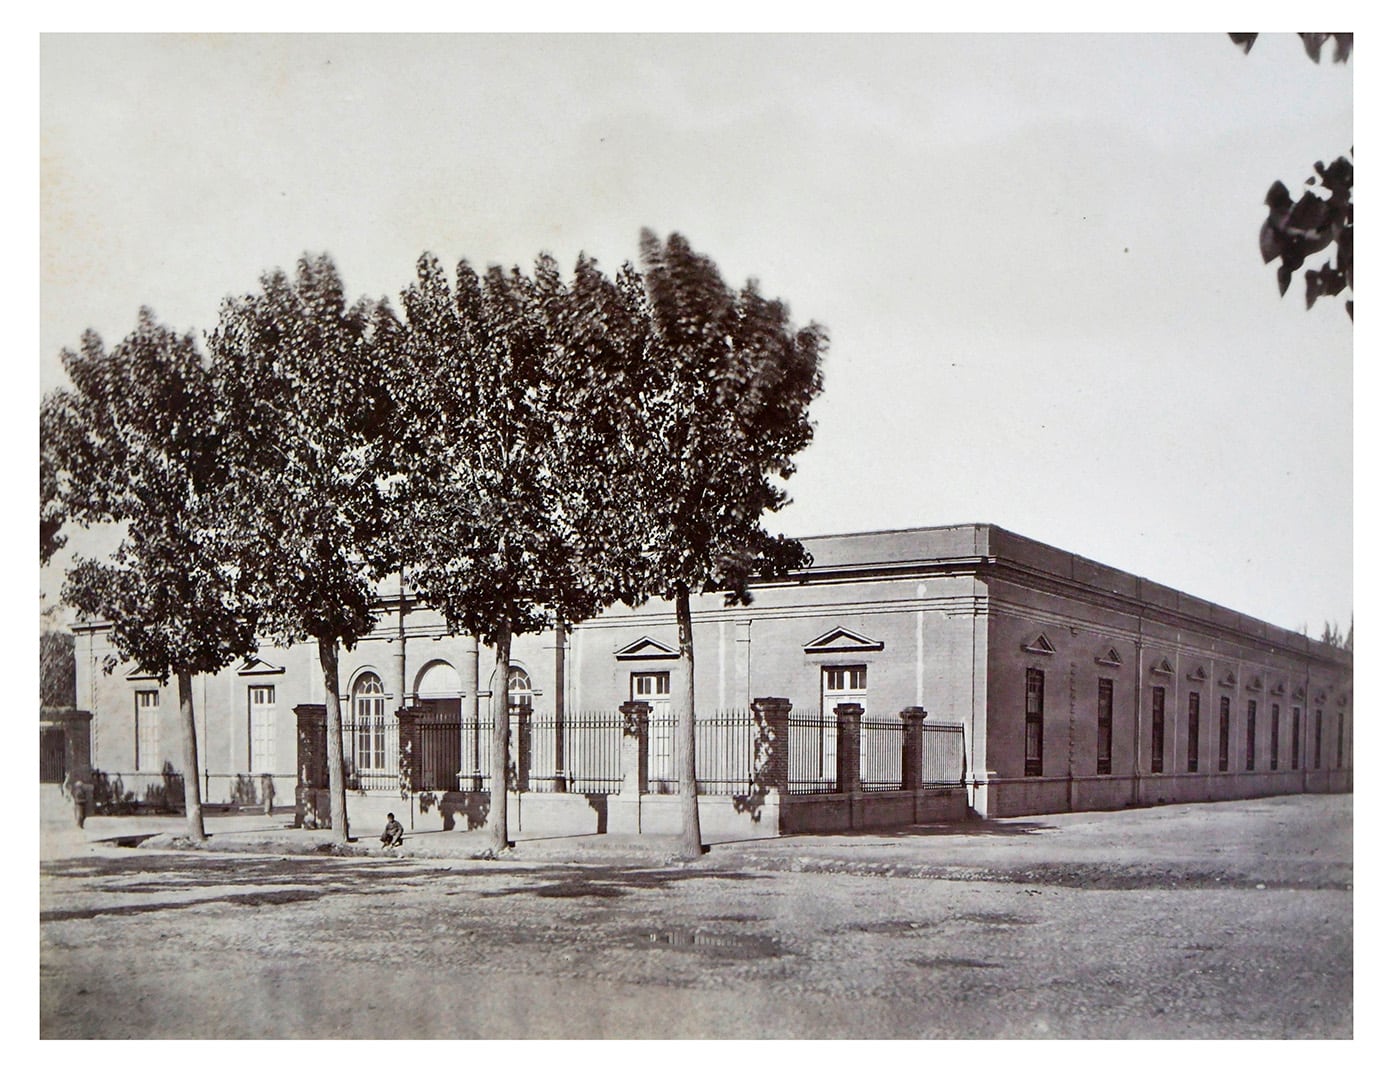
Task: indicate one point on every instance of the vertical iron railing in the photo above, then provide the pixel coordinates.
(882, 753)
(371, 755)
(812, 753)
(592, 743)
(438, 754)
(944, 755)
(725, 753)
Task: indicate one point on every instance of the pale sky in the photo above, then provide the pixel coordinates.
(1036, 256)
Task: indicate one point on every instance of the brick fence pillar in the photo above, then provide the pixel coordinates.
(771, 755)
(633, 753)
(408, 750)
(849, 748)
(311, 766)
(626, 809)
(912, 758)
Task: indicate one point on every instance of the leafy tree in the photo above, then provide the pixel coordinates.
(503, 460)
(51, 537)
(57, 670)
(722, 413)
(1323, 216)
(1332, 636)
(300, 372)
(137, 442)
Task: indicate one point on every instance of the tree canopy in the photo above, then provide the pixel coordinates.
(138, 441)
(300, 373)
(720, 413)
(1323, 217)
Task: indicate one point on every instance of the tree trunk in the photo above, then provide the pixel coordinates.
(333, 724)
(498, 769)
(188, 735)
(684, 699)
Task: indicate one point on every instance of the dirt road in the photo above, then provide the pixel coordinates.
(1227, 920)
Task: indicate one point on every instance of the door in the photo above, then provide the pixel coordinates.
(840, 684)
(655, 688)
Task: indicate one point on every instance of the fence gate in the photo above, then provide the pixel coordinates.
(53, 756)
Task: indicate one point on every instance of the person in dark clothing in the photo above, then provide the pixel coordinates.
(392, 835)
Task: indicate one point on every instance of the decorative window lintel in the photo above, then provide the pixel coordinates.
(842, 640)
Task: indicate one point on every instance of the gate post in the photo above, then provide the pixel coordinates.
(311, 767)
(912, 755)
(849, 759)
(771, 759)
(626, 816)
(524, 759)
(912, 758)
(409, 776)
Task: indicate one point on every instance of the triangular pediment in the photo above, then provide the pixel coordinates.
(1163, 668)
(1343, 700)
(1228, 679)
(646, 648)
(259, 667)
(1255, 683)
(840, 640)
(1279, 688)
(1299, 694)
(1110, 656)
(1199, 674)
(141, 674)
(1039, 644)
(1320, 697)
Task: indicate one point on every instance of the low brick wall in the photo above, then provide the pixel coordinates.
(1015, 796)
(838, 812)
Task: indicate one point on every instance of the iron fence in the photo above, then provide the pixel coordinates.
(812, 753)
(591, 746)
(372, 755)
(882, 753)
(732, 749)
(944, 757)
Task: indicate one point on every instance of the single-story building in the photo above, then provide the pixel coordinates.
(1043, 681)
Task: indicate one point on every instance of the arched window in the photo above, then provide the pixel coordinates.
(519, 690)
(369, 723)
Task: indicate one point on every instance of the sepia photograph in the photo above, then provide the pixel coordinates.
(699, 536)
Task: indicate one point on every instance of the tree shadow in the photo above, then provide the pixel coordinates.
(253, 900)
(607, 881)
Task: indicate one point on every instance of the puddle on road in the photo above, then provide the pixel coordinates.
(735, 946)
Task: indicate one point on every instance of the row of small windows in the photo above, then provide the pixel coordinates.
(1035, 731)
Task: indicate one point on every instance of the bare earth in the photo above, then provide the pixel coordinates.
(1217, 920)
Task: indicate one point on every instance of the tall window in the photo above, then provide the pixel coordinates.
(1104, 726)
(370, 724)
(1252, 756)
(261, 727)
(147, 730)
(1158, 729)
(1223, 733)
(1340, 740)
(1192, 730)
(655, 688)
(1034, 722)
(1296, 737)
(1315, 747)
(1275, 738)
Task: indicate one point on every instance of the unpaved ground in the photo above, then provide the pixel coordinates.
(1228, 920)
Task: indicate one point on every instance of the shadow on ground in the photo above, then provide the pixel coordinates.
(300, 879)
